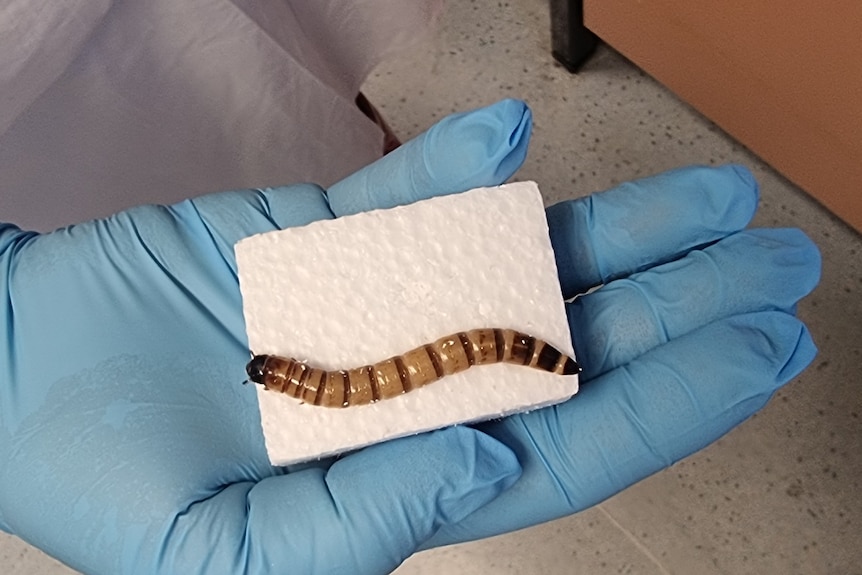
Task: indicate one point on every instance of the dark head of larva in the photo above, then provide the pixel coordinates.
(571, 367)
(255, 368)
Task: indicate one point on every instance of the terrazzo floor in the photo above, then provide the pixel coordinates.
(778, 495)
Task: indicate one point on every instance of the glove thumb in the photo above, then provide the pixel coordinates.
(365, 514)
(371, 510)
(481, 147)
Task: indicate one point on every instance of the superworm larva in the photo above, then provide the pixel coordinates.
(403, 373)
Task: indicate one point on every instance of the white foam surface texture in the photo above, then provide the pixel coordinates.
(356, 290)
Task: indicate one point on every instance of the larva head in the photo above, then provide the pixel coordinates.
(571, 367)
(255, 368)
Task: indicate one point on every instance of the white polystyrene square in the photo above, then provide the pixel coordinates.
(356, 290)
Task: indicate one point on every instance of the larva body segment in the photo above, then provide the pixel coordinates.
(404, 373)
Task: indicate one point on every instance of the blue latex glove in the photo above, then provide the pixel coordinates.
(150, 469)
(690, 333)
(128, 444)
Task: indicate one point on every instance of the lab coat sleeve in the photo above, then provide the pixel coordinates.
(39, 39)
(154, 101)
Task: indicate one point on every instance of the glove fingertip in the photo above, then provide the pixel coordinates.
(519, 141)
(735, 194)
(515, 119)
(486, 469)
(749, 186)
(483, 147)
(777, 344)
(747, 179)
(811, 255)
(801, 255)
(800, 355)
(495, 464)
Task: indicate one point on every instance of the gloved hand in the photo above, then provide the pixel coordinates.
(129, 445)
(123, 421)
(690, 333)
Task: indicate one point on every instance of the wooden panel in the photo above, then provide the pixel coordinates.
(786, 82)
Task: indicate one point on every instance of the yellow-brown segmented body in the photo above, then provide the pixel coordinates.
(403, 373)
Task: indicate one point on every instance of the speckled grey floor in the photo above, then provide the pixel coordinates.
(780, 494)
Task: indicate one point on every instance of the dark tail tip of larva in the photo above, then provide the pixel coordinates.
(571, 367)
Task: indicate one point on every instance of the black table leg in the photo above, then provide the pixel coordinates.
(571, 42)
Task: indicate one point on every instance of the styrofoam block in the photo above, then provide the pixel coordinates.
(357, 290)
